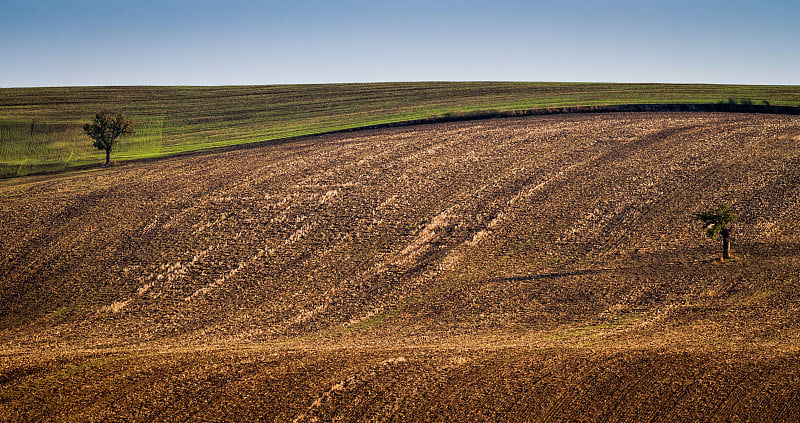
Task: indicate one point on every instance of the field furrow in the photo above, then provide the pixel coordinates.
(525, 269)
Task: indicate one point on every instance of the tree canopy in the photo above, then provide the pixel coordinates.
(106, 128)
(717, 219)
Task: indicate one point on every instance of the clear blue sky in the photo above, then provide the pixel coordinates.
(205, 42)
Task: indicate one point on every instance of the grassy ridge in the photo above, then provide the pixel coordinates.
(40, 128)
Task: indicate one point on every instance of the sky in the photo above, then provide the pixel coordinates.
(247, 42)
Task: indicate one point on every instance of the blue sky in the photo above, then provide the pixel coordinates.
(205, 42)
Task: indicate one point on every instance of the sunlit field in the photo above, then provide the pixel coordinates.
(540, 268)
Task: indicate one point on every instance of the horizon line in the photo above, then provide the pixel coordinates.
(432, 81)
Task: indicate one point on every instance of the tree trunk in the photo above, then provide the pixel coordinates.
(726, 245)
(108, 156)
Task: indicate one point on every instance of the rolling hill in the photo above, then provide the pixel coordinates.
(541, 268)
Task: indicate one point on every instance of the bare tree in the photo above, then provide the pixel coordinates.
(106, 128)
(718, 220)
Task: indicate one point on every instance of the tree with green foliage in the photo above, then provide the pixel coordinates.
(718, 220)
(106, 128)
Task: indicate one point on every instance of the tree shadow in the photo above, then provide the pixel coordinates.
(581, 272)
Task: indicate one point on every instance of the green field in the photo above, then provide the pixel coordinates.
(41, 128)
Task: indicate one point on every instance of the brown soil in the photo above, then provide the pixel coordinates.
(529, 269)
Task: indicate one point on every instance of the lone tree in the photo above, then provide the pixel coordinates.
(106, 128)
(718, 220)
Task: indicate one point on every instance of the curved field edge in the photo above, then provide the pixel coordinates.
(40, 128)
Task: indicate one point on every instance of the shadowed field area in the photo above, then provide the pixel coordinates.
(527, 269)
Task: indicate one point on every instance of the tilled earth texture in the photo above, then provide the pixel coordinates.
(524, 269)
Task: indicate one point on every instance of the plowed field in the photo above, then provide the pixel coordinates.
(528, 269)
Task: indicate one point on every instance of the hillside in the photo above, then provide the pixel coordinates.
(41, 128)
(527, 269)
